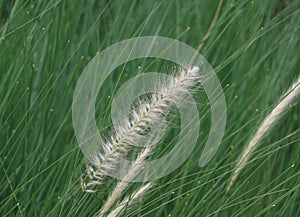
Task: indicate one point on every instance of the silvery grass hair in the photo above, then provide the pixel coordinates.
(133, 131)
(266, 125)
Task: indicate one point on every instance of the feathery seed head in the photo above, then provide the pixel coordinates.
(137, 129)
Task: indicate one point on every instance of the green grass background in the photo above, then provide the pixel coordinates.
(44, 47)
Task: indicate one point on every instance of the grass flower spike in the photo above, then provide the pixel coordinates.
(133, 131)
(264, 127)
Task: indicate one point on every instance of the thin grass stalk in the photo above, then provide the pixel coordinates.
(129, 201)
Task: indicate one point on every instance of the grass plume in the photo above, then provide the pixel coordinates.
(264, 127)
(147, 113)
(132, 131)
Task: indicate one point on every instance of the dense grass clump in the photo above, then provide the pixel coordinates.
(44, 47)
